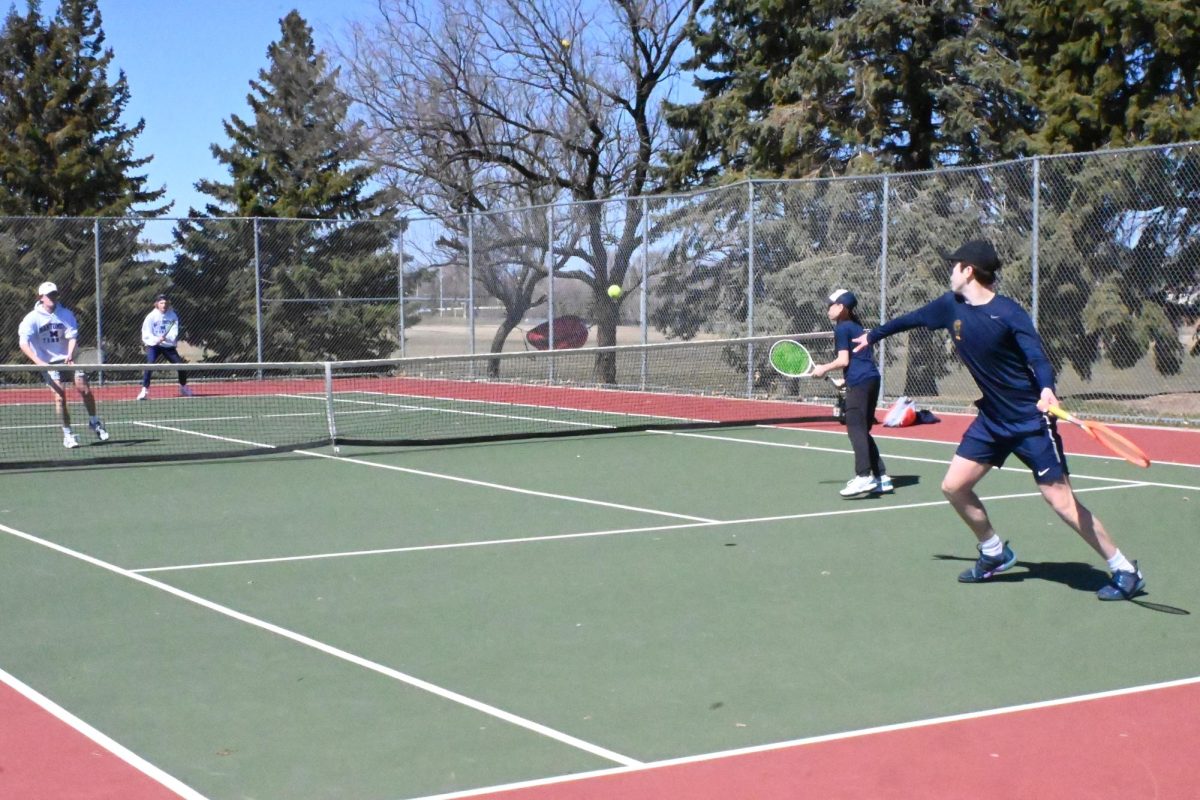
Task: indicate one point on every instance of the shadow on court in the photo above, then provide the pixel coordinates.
(1073, 574)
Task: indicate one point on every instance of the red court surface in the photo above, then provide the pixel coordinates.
(1139, 745)
(44, 758)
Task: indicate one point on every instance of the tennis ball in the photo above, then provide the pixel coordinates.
(564, 42)
(614, 291)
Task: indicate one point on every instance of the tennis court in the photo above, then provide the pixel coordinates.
(670, 611)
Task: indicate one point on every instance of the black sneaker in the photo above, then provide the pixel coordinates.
(987, 566)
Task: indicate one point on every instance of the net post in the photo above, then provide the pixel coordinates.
(329, 406)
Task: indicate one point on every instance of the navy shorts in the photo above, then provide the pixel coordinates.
(1041, 450)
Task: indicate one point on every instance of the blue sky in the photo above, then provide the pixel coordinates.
(189, 63)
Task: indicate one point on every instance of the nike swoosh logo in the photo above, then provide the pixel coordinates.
(1043, 471)
(993, 316)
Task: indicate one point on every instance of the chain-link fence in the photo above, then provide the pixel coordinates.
(1103, 248)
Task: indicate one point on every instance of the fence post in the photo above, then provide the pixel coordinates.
(750, 292)
(99, 297)
(550, 289)
(1034, 243)
(258, 320)
(400, 290)
(471, 284)
(883, 284)
(645, 284)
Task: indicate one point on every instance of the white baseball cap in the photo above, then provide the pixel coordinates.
(47, 288)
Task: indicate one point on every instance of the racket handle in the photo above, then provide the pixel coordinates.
(1061, 413)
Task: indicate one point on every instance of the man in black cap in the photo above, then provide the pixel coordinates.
(996, 340)
(160, 335)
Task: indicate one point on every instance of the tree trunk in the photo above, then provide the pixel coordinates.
(607, 314)
(506, 327)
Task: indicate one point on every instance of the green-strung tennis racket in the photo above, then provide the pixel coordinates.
(791, 359)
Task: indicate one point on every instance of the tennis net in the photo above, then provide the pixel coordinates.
(243, 409)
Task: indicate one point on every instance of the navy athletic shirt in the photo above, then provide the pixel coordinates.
(862, 366)
(1000, 347)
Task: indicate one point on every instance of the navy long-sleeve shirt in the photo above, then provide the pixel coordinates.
(998, 344)
(862, 365)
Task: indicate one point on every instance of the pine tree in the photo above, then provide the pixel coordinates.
(297, 159)
(799, 89)
(64, 152)
(1110, 74)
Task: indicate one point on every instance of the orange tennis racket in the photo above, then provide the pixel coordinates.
(1105, 436)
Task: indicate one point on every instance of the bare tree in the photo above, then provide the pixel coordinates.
(486, 104)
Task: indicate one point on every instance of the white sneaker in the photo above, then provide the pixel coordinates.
(144, 393)
(98, 428)
(859, 484)
(184, 391)
(69, 440)
(885, 484)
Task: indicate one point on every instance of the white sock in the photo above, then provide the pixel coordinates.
(93, 420)
(993, 546)
(1119, 563)
(66, 430)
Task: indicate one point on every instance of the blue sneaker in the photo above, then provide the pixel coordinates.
(1125, 585)
(987, 566)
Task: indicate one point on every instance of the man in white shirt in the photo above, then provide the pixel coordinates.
(48, 336)
(160, 334)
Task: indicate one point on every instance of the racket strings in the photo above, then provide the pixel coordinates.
(790, 358)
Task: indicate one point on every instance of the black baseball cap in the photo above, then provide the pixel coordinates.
(161, 296)
(843, 296)
(978, 253)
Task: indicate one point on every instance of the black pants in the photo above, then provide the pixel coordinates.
(153, 351)
(860, 416)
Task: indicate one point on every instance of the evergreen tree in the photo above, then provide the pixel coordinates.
(1110, 74)
(798, 89)
(297, 159)
(64, 152)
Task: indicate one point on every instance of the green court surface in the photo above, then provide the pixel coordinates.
(403, 623)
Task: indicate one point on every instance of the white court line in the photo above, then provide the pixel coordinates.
(505, 488)
(108, 743)
(882, 434)
(232, 418)
(204, 435)
(406, 407)
(556, 537)
(442, 476)
(894, 457)
(830, 737)
(336, 652)
(542, 406)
